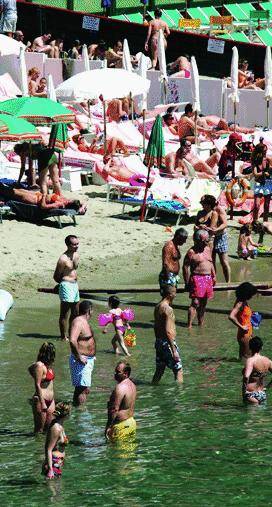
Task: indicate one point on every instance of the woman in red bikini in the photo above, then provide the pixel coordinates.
(43, 404)
(240, 315)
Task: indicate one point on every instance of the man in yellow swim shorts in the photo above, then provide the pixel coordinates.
(121, 423)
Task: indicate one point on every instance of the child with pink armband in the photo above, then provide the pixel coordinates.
(119, 318)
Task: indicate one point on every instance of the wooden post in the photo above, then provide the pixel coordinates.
(144, 130)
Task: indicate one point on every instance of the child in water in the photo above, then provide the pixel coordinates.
(241, 315)
(246, 249)
(119, 319)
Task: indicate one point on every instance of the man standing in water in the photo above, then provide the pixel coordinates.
(169, 274)
(199, 276)
(167, 352)
(220, 245)
(66, 276)
(83, 350)
(121, 423)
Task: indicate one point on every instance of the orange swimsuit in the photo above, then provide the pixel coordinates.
(243, 337)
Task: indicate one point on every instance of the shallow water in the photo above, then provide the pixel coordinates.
(196, 445)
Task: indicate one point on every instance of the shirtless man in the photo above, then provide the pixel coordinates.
(41, 45)
(186, 125)
(169, 274)
(66, 276)
(199, 276)
(220, 244)
(121, 423)
(184, 163)
(82, 356)
(167, 351)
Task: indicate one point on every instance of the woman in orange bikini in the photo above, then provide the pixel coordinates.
(43, 404)
(240, 315)
(153, 35)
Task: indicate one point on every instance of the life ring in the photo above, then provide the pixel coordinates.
(242, 182)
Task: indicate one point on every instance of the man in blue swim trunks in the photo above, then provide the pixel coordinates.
(83, 350)
(66, 276)
(169, 274)
(167, 351)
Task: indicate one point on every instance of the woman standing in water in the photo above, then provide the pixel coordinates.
(43, 404)
(55, 442)
(153, 35)
(240, 315)
(255, 370)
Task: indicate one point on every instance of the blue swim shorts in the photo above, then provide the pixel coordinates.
(68, 292)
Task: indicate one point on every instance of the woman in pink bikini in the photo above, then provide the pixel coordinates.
(43, 404)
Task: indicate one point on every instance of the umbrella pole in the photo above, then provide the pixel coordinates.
(234, 114)
(267, 113)
(131, 107)
(89, 112)
(196, 137)
(105, 126)
(31, 170)
(144, 112)
(143, 208)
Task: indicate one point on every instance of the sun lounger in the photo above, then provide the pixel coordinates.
(267, 6)
(121, 17)
(120, 188)
(240, 37)
(210, 11)
(136, 17)
(174, 15)
(265, 36)
(197, 13)
(237, 12)
(168, 207)
(33, 213)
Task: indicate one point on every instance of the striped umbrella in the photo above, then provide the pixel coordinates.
(58, 137)
(154, 156)
(37, 110)
(17, 129)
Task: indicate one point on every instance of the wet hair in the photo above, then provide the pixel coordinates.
(127, 367)
(181, 233)
(209, 199)
(47, 353)
(157, 13)
(188, 108)
(246, 290)
(114, 301)
(255, 344)
(68, 239)
(62, 409)
(245, 229)
(19, 148)
(168, 290)
(84, 307)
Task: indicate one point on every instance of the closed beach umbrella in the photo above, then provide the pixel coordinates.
(268, 80)
(51, 92)
(127, 65)
(195, 91)
(17, 129)
(58, 137)
(23, 73)
(155, 155)
(85, 57)
(234, 80)
(162, 63)
(110, 83)
(37, 110)
(142, 102)
(9, 46)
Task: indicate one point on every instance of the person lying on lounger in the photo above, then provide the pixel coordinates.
(113, 145)
(50, 201)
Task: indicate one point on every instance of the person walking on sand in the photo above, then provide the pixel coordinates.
(169, 274)
(199, 276)
(167, 351)
(83, 349)
(66, 276)
(121, 423)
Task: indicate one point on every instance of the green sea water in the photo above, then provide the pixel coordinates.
(197, 445)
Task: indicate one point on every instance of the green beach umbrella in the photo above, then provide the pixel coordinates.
(18, 129)
(58, 137)
(3, 127)
(37, 110)
(154, 156)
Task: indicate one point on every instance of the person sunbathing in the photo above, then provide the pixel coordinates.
(49, 201)
(113, 145)
(185, 163)
(170, 122)
(115, 167)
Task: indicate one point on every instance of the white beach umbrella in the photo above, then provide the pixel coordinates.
(110, 83)
(234, 96)
(142, 102)
(195, 91)
(126, 60)
(51, 92)
(162, 63)
(9, 46)
(268, 80)
(23, 73)
(85, 57)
